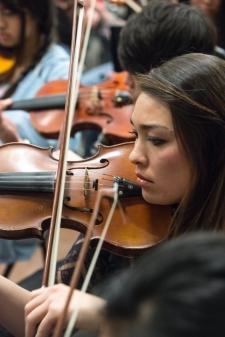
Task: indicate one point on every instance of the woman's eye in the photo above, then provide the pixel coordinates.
(156, 141)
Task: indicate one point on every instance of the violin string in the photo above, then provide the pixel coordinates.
(67, 189)
(70, 182)
(108, 90)
(102, 94)
(68, 178)
(106, 94)
(100, 98)
(45, 183)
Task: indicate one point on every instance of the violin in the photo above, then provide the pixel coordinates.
(27, 181)
(112, 120)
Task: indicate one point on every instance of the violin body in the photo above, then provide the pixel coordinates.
(113, 120)
(27, 177)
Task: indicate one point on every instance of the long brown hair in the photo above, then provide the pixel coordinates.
(194, 85)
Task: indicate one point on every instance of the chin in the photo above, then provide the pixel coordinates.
(154, 200)
(150, 199)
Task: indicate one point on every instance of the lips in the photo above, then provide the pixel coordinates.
(143, 181)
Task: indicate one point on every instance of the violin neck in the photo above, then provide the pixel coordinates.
(27, 182)
(40, 103)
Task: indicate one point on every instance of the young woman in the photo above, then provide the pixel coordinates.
(179, 158)
(179, 121)
(26, 35)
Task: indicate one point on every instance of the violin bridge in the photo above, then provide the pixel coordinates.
(86, 184)
(95, 96)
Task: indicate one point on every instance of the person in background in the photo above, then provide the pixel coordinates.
(98, 51)
(175, 290)
(26, 34)
(215, 10)
(64, 13)
(163, 30)
(51, 63)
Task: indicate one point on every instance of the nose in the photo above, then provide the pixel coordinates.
(137, 155)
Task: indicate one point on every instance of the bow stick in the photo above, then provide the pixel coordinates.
(133, 5)
(104, 192)
(72, 95)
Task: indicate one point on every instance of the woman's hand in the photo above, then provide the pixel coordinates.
(8, 131)
(4, 103)
(46, 306)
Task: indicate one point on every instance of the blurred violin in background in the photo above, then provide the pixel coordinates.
(106, 107)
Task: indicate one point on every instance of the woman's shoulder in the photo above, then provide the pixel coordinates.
(54, 63)
(55, 52)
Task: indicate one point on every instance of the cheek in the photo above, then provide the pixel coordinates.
(16, 30)
(167, 161)
(172, 176)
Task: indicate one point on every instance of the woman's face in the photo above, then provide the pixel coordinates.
(162, 167)
(10, 28)
(209, 7)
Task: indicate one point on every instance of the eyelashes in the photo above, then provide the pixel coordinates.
(156, 141)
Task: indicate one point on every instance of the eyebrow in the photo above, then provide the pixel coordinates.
(153, 126)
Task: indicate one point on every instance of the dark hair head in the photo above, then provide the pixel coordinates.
(161, 31)
(193, 86)
(40, 10)
(175, 290)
